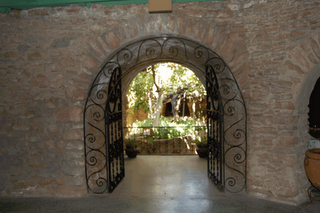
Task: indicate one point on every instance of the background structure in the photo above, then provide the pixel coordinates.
(50, 56)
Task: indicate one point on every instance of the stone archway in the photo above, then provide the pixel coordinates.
(303, 135)
(207, 65)
(304, 95)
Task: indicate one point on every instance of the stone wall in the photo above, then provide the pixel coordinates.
(50, 56)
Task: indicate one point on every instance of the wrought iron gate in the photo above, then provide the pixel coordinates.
(114, 131)
(227, 119)
(214, 132)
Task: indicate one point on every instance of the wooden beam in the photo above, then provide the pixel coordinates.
(160, 6)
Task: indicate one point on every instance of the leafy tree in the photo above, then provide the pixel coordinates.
(159, 83)
(183, 83)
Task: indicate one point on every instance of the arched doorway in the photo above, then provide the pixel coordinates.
(226, 112)
(314, 114)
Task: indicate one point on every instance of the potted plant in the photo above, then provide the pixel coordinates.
(131, 148)
(202, 147)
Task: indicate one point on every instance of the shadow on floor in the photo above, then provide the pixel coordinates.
(158, 184)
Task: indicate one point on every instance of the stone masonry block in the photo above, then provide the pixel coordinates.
(96, 49)
(73, 135)
(89, 62)
(315, 47)
(112, 40)
(38, 12)
(297, 54)
(294, 67)
(70, 114)
(34, 56)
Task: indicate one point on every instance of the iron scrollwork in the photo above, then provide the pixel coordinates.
(114, 131)
(103, 125)
(214, 134)
(234, 134)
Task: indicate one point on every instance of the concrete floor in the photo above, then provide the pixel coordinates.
(158, 184)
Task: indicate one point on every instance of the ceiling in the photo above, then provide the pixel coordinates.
(7, 5)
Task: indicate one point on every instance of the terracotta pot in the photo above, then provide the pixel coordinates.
(312, 166)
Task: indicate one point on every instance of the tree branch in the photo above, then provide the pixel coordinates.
(171, 95)
(154, 78)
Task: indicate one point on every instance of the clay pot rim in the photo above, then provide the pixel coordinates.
(313, 153)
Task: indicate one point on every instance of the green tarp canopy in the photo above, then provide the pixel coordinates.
(7, 5)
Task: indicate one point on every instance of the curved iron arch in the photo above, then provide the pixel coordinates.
(167, 49)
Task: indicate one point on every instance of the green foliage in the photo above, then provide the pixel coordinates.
(150, 140)
(164, 121)
(144, 123)
(170, 78)
(182, 77)
(131, 142)
(168, 130)
(200, 140)
(139, 90)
